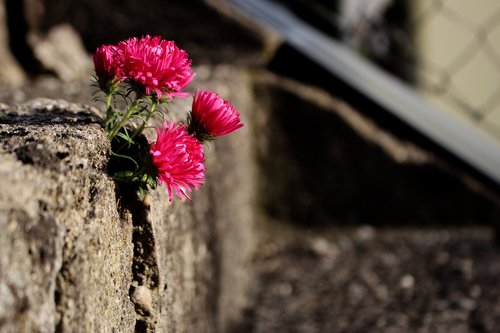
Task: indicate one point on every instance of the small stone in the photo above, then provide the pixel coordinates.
(146, 202)
(284, 289)
(407, 281)
(442, 258)
(323, 248)
(467, 304)
(475, 291)
(366, 233)
(142, 298)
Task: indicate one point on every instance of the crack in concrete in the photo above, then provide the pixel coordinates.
(145, 275)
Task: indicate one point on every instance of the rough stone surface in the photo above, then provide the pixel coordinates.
(66, 251)
(10, 71)
(209, 30)
(47, 34)
(232, 188)
(117, 262)
(202, 250)
(48, 87)
(62, 52)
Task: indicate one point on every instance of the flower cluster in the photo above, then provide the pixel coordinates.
(145, 74)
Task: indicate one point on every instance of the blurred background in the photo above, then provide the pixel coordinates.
(448, 50)
(365, 222)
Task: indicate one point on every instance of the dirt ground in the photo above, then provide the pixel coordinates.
(366, 280)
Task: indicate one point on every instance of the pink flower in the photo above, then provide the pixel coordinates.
(153, 64)
(212, 116)
(107, 62)
(178, 158)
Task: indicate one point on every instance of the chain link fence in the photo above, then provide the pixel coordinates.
(448, 49)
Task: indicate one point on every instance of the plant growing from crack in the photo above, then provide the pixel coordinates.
(137, 79)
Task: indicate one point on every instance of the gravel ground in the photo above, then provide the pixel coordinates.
(369, 280)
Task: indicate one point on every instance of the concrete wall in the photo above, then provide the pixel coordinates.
(80, 255)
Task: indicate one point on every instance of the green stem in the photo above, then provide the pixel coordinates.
(130, 111)
(145, 121)
(109, 110)
(139, 129)
(125, 157)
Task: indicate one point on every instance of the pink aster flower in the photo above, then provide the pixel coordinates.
(107, 62)
(153, 64)
(178, 158)
(212, 116)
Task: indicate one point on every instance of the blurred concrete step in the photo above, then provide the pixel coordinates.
(368, 280)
